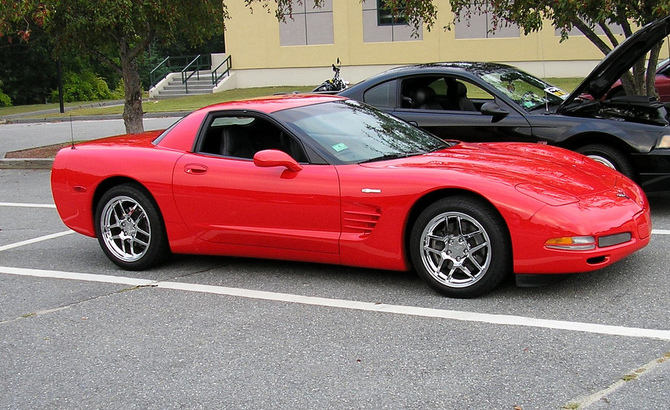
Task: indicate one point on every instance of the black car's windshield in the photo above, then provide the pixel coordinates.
(528, 91)
(353, 132)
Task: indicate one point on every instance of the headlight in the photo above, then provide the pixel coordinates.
(572, 243)
(664, 142)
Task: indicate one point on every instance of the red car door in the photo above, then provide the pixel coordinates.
(233, 201)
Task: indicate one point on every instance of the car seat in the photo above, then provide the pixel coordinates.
(457, 97)
(423, 98)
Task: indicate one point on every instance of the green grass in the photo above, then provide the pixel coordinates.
(566, 84)
(21, 109)
(167, 105)
(194, 102)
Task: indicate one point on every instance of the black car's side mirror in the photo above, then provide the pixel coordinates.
(494, 110)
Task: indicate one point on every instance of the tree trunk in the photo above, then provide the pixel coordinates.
(132, 110)
(650, 76)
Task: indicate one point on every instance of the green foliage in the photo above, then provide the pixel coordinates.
(118, 91)
(5, 101)
(84, 86)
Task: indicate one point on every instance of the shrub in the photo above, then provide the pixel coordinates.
(5, 101)
(84, 86)
(119, 92)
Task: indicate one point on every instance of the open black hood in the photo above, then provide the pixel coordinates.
(620, 60)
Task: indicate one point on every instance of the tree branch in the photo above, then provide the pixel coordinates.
(608, 32)
(142, 45)
(591, 35)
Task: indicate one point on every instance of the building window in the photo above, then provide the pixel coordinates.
(310, 25)
(385, 16)
(479, 24)
(615, 28)
(380, 24)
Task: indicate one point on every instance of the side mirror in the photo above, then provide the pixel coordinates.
(275, 158)
(494, 110)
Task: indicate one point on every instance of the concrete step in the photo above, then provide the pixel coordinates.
(196, 86)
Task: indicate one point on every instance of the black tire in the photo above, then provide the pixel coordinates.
(130, 229)
(610, 157)
(460, 246)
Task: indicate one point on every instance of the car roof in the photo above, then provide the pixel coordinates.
(464, 68)
(272, 103)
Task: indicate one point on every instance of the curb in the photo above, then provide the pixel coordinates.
(177, 114)
(47, 163)
(26, 163)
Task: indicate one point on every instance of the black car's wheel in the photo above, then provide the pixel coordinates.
(130, 229)
(460, 247)
(608, 156)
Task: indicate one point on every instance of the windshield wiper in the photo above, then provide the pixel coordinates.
(395, 155)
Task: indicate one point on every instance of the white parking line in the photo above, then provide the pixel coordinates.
(326, 302)
(24, 205)
(506, 320)
(35, 240)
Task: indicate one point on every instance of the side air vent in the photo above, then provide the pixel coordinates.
(361, 222)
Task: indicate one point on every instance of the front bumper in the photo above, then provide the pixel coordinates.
(620, 222)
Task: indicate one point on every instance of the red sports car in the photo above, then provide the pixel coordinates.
(326, 179)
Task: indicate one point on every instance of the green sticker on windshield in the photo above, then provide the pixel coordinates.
(339, 147)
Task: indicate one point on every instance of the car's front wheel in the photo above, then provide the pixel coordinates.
(130, 229)
(608, 156)
(460, 247)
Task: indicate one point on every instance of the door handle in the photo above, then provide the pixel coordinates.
(195, 169)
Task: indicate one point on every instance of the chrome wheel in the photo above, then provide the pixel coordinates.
(456, 249)
(606, 162)
(610, 157)
(130, 228)
(125, 228)
(461, 247)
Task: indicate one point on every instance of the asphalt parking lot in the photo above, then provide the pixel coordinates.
(217, 332)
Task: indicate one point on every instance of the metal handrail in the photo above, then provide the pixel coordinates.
(184, 78)
(215, 77)
(169, 64)
(151, 74)
(197, 66)
(189, 66)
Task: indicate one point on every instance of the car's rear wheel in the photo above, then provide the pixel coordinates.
(130, 229)
(460, 247)
(608, 156)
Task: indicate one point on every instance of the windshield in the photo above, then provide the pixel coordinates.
(353, 132)
(527, 91)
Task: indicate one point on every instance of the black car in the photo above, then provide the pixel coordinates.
(474, 101)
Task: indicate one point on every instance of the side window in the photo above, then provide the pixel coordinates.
(382, 95)
(443, 93)
(423, 93)
(244, 136)
(666, 69)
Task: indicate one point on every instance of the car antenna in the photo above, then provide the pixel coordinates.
(71, 134)
(544, 76)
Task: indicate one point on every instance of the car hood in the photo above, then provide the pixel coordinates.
(528, 167)
(620, 60)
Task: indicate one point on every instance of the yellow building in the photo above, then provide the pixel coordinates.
(367, 41)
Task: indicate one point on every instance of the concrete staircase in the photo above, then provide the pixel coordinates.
(175, 88)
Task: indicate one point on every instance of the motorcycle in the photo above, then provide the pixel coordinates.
(335, 84)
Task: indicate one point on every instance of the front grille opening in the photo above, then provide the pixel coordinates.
(616, 239)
